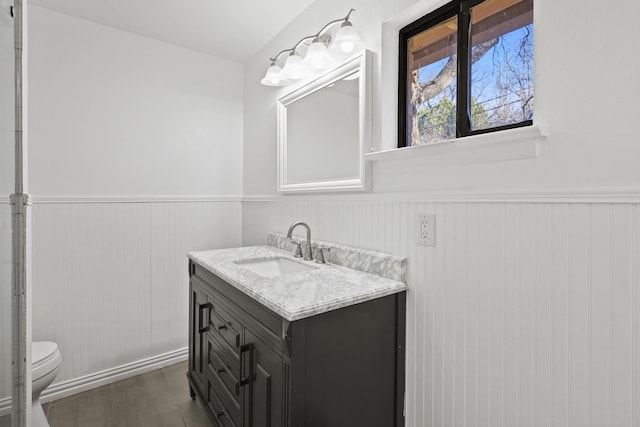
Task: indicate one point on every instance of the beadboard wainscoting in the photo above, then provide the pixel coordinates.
(110, 281)
(523, 314)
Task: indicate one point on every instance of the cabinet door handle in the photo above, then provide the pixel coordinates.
(201, 309)
(246, 380)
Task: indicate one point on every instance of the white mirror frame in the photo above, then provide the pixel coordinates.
(358, 63)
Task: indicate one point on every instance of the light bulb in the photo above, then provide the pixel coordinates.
(347, 47)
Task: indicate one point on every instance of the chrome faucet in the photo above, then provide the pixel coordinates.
(307, 250)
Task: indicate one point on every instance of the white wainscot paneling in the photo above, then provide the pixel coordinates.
(110, 281)
(524, 314)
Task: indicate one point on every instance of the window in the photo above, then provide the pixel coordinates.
(466, 69)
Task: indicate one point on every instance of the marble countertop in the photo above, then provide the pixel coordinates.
(295, 296)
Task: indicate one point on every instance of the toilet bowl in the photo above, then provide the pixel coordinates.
(45, 364)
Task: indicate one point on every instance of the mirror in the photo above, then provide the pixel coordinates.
(324, 128)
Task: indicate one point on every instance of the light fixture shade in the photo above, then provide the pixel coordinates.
(318, 57)
(294, 69)
(346, 40)
(274, 77)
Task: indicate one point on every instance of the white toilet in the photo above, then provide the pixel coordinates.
(45, 364)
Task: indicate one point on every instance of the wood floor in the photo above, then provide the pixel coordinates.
(157, 398)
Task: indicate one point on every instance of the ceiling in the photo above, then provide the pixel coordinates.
(228, 29)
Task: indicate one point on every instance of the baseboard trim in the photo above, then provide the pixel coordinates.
(88, 382)
(108, 376)
(5, 406)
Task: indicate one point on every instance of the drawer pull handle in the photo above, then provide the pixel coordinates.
(222, 327)
(202, 329)
(221, 370)
(246, 380)
(220, 414)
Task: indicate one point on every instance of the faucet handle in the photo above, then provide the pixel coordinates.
(297, 251)
(320, 253)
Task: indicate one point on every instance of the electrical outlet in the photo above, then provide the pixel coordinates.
(427, 230)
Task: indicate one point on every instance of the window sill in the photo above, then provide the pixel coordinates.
(512, 144)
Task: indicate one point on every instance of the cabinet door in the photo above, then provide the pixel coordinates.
(199, 320)
(264, 400)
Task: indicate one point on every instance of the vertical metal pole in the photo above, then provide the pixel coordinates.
(17, 11)
(19, 201)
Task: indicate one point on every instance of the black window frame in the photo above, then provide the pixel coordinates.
(461, 9)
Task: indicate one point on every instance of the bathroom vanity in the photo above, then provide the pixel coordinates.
(276, 341)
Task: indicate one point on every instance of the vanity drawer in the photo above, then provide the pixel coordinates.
(222, 416)
(226, 366)
(225, 325)
(219, 395)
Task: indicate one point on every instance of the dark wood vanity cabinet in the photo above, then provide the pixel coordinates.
(252, 368)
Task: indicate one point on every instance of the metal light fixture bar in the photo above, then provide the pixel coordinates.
(317, 57)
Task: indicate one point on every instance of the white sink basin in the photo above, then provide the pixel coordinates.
(270, 267)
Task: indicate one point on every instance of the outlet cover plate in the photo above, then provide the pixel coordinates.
(426, 233)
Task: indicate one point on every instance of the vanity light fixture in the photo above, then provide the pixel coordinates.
(322, 52)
